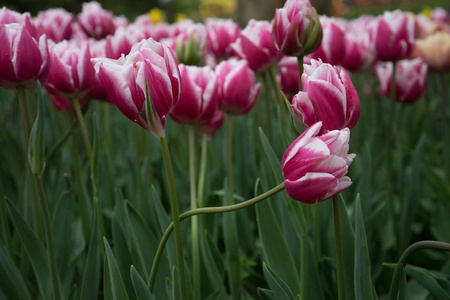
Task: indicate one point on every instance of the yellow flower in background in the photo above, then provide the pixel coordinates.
(157, 15)
(180, 16)
(427, 12)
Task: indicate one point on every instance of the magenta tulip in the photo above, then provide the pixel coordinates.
(360, 51)
(328, 96)
(71, 72)
(122, 41)
(288, 69)
(8, 16)
(296, 28)
(56, 24)
(332, 48)
(394, 36)
(237, 88)
(95, 21)
(410, 77)
(23, 59)
(220, 35)
(198, 97)
(255, 45)
(125, 80)
(314, 165)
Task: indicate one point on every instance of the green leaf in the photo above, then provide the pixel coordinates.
(435, 284)
(265, 294)
(272, 158)
(275, 249)
(348, 249)
(36, 149)
(140, 287)
(117, 286)
(35, 250)
(279, 288)
(362, 276)
(11, 282)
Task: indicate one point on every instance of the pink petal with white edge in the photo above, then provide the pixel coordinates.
(311, 188)
(343, 184)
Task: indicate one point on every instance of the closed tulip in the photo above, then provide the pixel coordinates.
(288, 69)
(410, 77)
(56, 24)
(328, 96)
(23, 58)
(359, 51)
(122, 41)
(95, 21)
(126, 79)
(198, 97)
(255, 45)
(314, 165)
(296, 28)
(220, 35)
(394, 36)
(332, 48)
(237, 88)
(71, 72)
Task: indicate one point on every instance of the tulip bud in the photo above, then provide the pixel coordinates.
(296, 28)
(314, 166)
(220, 35)
(328, 96)
(95, 21)
(56, 24)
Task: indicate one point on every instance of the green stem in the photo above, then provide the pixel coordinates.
(304, 265)
(194, 224)
(414, 247)
(175, 214)
(444, 123)
(339, 259)
(48, 237)
(84, 132)
(58, 145)
(281, 103)
(138, 168)
(201, 177)
(4, 222)
(300, 72)
(201, 211)
(266, 80)
(26, 133)
(230, 156)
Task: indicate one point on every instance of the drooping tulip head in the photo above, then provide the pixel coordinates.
(314, 165)
(296, 28)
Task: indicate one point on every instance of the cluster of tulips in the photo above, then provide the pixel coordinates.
(198, 73)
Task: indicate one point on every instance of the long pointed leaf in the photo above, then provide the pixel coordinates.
(117, 286)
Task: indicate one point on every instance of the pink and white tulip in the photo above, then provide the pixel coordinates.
(95, 21)
(410, 77)
(122, 41)
(332, 48)
(288, 75)
(56, 24)
(296, 28)
(221, 34)
(328, 96)
(71, 71)
(199, 95)
(255, 45)
(237, 89)
(23, 59)
(394, 36)
(125, 80)
(314, 165)
(360, 51)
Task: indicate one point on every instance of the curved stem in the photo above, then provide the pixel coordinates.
(339, 259)
(175, 214)
(194, 224)
(414, 247)
(201, 211)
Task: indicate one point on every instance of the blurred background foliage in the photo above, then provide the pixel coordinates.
(239, 10)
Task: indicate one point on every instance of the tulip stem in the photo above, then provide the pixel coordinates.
(201, 179)
(58, 145)
(137, 153)
(300, 71)
(194, 224)
(201, 211)
(175, 214)
(84, 132)
(339, 259)
(444, 123)
(266, 79)
(26, 127)
(414, 247)
(281, 103)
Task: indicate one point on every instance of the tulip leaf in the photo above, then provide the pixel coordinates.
(362, 275)
(272, 158)
(36, 149)
(265, 294)
(35, 250)
(439, 286)
(279, 288)
(275, 249)
(140, 287)
(12, 283)
(117, 286)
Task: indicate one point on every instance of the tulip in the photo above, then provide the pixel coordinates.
(9, 16)
(328, 96)
(255, 45)
(220, 35)
(288, 69)
(360, 52)
(55, 23)
(190, 44)
(394, 36)
(212, 125)
(198, 97)
(122, 41)
(151, 64)
(23, 58)
(410, 77)
(237, 88)
(435, 51)
(314, 165)
(71, 72)
(95, 21)
(332, 48)
(296, 28)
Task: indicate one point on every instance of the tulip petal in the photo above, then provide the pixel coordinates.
(311, 188)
